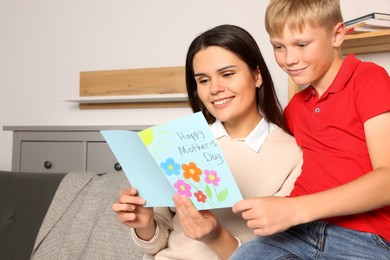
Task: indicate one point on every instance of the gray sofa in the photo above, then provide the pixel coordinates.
(62, 216)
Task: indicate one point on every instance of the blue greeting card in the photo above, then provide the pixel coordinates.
(180, 156)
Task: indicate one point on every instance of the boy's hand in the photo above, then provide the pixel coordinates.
(267, 215)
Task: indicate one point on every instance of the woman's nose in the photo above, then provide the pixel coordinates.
(216, 87)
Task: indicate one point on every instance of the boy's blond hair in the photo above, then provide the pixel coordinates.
(297, 13)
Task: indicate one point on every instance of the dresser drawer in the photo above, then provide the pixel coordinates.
(54, 157)
(100, 158)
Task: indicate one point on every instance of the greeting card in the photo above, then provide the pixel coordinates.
(179, 156)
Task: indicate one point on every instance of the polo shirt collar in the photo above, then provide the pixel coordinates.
(309, 92)
(344, 74)
(254, 140)
(340, 81)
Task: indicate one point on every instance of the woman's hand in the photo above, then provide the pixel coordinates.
(199, 225)
(205, 227)
(131, 212)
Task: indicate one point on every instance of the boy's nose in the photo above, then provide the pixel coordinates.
(291, 57)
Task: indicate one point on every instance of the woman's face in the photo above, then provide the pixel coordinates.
(226, 85)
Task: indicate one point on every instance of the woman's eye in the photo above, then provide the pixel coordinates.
(203, 81)
(228, 74)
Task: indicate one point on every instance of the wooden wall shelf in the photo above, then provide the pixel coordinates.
(369, 42)
(359, 43)
(133, 88)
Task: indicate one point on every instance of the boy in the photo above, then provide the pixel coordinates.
(339, 207)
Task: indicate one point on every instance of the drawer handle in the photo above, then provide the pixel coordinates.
(47, 164)
(117, 167)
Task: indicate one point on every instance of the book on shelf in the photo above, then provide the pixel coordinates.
(368, 23)
(179, 156)
(371, 16)
(364, 27)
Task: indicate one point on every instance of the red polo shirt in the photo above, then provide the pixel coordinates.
(330, 131)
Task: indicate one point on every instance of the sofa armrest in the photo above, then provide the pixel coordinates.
(24, 201)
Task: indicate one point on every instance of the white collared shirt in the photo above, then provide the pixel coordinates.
(254, 140)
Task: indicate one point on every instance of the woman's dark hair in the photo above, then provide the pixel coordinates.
(242, 44)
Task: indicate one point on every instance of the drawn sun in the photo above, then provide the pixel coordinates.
(153, 140)
(146, 136)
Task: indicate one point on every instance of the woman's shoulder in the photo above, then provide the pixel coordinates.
(278, 133)
(280, 146)
(281, 138)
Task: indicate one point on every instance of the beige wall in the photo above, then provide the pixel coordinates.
(45, 44)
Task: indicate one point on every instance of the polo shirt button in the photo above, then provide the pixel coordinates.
(317, 110)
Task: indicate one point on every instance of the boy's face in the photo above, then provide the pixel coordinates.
(308, 57)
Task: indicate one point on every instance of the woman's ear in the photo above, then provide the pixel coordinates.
(258, 78)
(338, 34)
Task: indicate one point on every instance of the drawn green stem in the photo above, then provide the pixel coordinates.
(215, 190)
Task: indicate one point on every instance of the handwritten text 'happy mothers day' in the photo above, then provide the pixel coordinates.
(195, 146)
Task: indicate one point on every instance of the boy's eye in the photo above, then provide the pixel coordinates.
(277, 47)
(302, 45)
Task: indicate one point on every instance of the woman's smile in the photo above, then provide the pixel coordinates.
(221, 102)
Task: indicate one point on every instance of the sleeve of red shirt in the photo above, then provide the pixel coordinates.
(372, 90)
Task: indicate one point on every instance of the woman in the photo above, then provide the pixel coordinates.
(227, 79)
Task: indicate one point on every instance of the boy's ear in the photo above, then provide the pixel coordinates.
(338, 34)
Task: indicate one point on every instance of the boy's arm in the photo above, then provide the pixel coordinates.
(371, 191)
(270, 215)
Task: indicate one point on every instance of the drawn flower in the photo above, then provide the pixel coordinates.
(183, 188)
(191, 171)
(170, 167)
(211, 177)
(200, 196)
